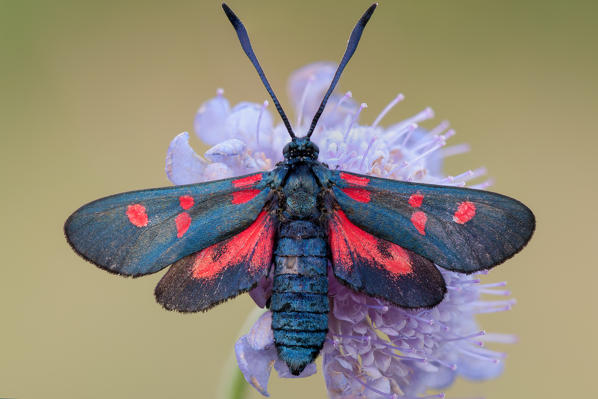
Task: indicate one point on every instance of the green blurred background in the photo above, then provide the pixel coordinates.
(92, 93)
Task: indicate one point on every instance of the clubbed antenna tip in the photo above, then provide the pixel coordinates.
(351, 47)
(246, 45)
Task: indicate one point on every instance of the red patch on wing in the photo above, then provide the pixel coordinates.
(355, 180)
(465, 212)
(241, 197)
(247, 180)
(358, 194)
(137, 215)
(182, 221)
(253, 246)
(416, 200)
(349, 244)
(186, 201)
(419, 220)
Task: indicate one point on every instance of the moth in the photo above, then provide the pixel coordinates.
(380, 237)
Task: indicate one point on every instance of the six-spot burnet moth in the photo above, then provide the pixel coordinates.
(381, 237)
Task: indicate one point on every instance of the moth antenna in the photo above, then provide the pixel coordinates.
(246, 45)
(351, 47)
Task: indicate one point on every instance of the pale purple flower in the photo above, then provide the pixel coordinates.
(256, 355)
(373, 349)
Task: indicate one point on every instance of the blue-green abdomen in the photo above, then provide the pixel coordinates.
(299, 301)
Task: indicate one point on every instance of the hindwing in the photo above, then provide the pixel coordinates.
(220, 271)
(380, 268)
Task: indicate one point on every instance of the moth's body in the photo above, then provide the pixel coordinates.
(381, 237)
(299, 301)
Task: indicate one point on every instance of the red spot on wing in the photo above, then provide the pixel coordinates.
(247, 180)
(355, 180)
(465, 212)
(358, 194)
(137, 215)
(416, 200)
(241, 197)
(186, 201)
(349, 244)
(419, 220)
(252, 246)
(182, 221)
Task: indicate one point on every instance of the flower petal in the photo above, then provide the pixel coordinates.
(255, 364)
(479, 369)
(256, 353)
(318, 76)
(243, 122)
(225, 149)
(336, 375)
(217, 171)
(307, 87)
(262, 292)
(183, 165)
(261, 336)
(211, 118)
(421, 380)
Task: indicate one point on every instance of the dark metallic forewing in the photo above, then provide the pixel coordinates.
(221, 271)
(380, 268)
(460, 229)
(141, 232)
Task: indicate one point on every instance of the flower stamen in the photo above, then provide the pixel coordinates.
(410, 129)
(354, 119)
(455, 150)
(259, 121)
(310, 80)
(484, 185)
(466, 337)
(400, 97)
(441, 127)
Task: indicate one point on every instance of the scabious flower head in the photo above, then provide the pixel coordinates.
(373, 349)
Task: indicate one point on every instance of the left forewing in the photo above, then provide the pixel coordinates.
(141, 232)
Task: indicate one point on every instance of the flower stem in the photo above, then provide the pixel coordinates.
(233, 384)
(239, 387)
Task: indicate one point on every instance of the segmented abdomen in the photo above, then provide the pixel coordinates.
(299, 301)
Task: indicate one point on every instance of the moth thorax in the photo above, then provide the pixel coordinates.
(301, 193)
(301, 204)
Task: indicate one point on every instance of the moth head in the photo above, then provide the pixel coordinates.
(301, 147)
